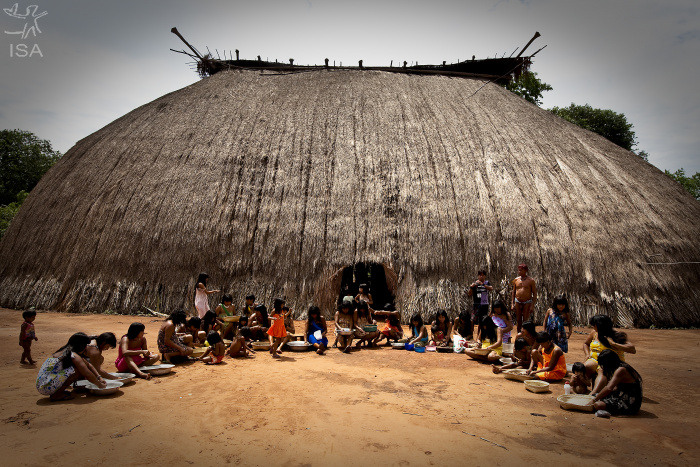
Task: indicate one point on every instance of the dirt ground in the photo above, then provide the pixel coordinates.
(373, 406)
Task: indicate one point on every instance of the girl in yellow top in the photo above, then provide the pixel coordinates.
(551, 364)
(603, 337)
(491, 338)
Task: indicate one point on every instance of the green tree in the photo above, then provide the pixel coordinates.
(691, 184)
(612, 125)
(24, 159)
(529, 87)
(9, 211)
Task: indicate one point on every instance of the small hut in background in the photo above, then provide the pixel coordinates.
(305, 184)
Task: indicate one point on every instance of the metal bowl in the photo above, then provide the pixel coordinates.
(445, 349)
(345, 332)
(398, 345)
(112, 387)
(124, 377)
(298, 346)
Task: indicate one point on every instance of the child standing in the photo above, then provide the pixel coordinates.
(556, 320)
(216, 351)
(479, 291)
(27, 336)
(201, 294)
(277, 331)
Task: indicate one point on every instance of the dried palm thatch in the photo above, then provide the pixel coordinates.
(271, 183)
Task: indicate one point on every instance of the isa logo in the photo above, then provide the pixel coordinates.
(28, 21)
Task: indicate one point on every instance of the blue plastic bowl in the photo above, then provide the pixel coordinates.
(409, 346)
(420, 349)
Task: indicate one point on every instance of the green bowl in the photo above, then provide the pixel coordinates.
(370, 328)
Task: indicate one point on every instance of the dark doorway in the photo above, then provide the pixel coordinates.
(371, 274)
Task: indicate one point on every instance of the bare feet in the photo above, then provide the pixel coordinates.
(274, 355)
(143, 375)
(60, 396)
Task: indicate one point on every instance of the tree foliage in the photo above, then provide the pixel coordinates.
(529, 87)
(691, 184)
(9, 211)
(24, 159)
(612, 125)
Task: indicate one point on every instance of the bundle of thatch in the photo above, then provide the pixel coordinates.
(273, 183)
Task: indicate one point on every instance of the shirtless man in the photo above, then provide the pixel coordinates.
(524, 296)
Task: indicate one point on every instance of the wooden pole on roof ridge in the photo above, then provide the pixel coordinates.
(177, 33)
(537, 34)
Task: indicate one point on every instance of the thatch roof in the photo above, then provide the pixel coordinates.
(273, 183)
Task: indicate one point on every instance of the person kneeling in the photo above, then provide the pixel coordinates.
(550, 361)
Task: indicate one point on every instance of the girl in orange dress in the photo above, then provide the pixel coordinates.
(277, 331)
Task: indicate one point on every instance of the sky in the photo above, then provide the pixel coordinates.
(84, 63)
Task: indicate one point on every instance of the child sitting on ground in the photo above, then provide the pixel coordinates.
(27, 336)
(579, 383)
(551, 364)
(216, 351)
(189, 332)
(239, 347)
(521, 357)
(419, 333)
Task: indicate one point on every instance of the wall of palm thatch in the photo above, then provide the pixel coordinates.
(272, 183)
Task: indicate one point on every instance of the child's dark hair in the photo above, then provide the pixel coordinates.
(241, 320)
(415, 330)
(313, 310)
(437, 320)
(28, 314)
(213, 338)
(262, 309)
(364, 288)
(362, 309)
(396, 322)
(499, 304)
(134, 330)
(530, 327)
(105, 338)
(520, 343)
(209, 319)
(604, 325)
(277, 305)
(76, 343)
(250, 297)
(543, 337)
(245, 332)
(201, 279)
(226, 298)
(578, 367)
(488, 329)
(178, 316)
(560, 300)
(194, 322)
(285, 308)
(482, 272)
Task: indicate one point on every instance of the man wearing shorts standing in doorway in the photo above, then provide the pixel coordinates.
(524, 296)
(479, 291)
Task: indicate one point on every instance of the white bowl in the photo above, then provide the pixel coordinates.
(111, 388)
(505, 360)
(124, 377)
(398, 345)
(345, 332)
(157, 370)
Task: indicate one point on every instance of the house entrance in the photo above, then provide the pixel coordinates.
(372, 274)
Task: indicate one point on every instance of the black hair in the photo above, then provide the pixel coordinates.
(363, 287)
(543, 337)
(488, 329)
(262, 309)
(209, 319)
(604, 326)
(437, 321)
(178, 316)
(106, 338)
(481, 272)
(202, 278)
(285, 308)
(520, 343)
(134, 330)
(213, 338)
(277, 305)
(76, 343)
(194, 322)
(578, 367)
(250, 297)
(245, 332)
(609, 361)
(226, 298)
(417, 317)
(242, 319)
(28, 314)
(396, 322)
(530, 327)
(561, 300)
(499, 304)
(362, 309)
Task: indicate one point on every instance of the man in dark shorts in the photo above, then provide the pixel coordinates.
(479, 291)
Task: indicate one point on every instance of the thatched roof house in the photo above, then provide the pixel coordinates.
(284, 184)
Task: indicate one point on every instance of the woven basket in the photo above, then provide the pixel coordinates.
(516, 375)
(582, 402)
(535, 385)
